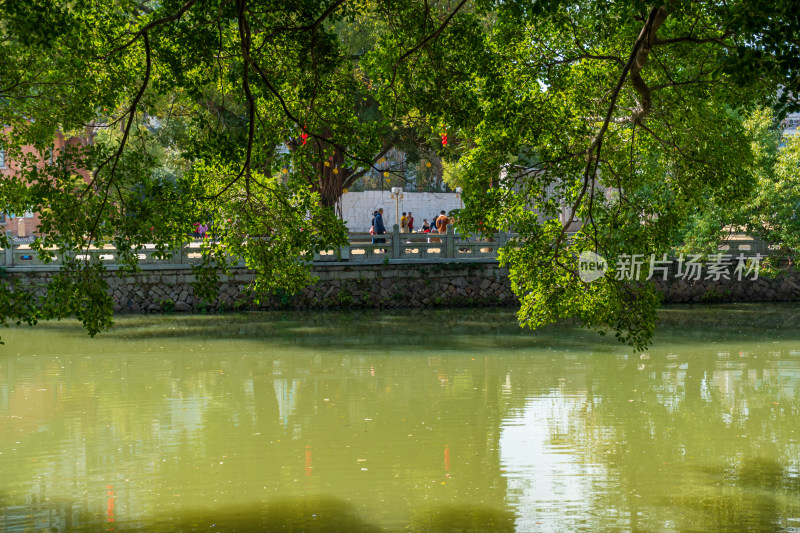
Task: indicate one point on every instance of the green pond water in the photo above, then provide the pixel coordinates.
(393, 421)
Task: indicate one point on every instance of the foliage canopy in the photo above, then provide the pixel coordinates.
(254, 115)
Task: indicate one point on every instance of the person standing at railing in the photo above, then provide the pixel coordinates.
(442, 221)
(433, 226)
(372, 223)
(377, 224)
(410, 223)
(404, 223)
(439, 225)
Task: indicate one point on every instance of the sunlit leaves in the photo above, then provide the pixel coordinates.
(253, 115)
(633, 169)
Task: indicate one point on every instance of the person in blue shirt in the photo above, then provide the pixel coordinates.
(380, 229)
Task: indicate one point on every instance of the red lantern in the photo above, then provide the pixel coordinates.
(304, 136)
(444, 139)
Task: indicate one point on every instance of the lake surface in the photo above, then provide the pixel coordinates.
(394, 421)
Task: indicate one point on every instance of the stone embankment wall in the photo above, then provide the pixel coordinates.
(783, 288)
(369, 286)
(338, 286)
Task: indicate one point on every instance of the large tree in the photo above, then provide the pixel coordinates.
(251, 115)
(631, 113)
(190, 104)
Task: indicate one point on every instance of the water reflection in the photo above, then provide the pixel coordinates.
(438, 421)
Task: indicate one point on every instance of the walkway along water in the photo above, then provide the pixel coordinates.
(399, 247)
(406, 271)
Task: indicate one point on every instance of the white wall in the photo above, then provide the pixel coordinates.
(357, 207)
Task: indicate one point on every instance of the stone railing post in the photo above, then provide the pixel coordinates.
(395, 241)
(759, 247)
(450, 242)
(10, 249)
(501, 237)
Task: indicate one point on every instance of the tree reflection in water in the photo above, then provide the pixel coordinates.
(436, 421)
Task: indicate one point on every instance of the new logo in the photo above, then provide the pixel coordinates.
(591, 266)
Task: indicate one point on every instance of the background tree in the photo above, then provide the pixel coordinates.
(769, 211)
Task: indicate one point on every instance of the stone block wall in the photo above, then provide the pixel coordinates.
(784, 288)
(389, 286)
(365, 286)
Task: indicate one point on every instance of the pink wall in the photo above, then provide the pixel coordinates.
(21, 225)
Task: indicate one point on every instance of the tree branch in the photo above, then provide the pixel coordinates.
(636, 60)
(424, 41)
(244, 36)
(585, 56)
(153, 24)
(118, 153)
(695, 40)
(355, 175)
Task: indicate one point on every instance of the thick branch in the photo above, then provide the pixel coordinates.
(244, 36)
(636, 61)
(654, 23)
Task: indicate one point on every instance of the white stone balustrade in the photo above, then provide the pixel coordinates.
(398, 248)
